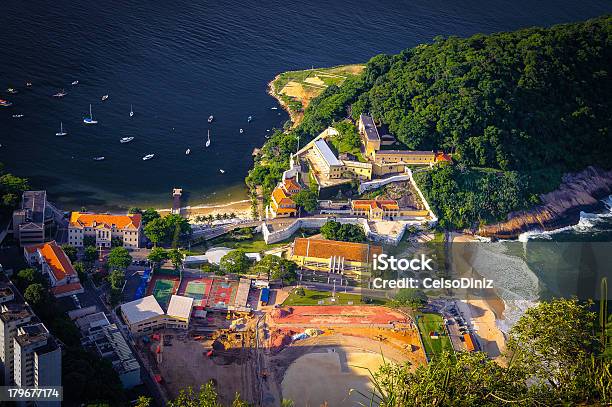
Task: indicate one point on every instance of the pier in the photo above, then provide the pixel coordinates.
(176, 201)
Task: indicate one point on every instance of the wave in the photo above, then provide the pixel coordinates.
(588, 221)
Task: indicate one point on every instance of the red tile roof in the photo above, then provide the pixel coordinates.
(57, 260)
(325, 249)
(291, 185)
(67, 289)
(280, 197)
(375, 203)
(132, 221)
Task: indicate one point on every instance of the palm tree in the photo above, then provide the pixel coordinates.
(232, 215)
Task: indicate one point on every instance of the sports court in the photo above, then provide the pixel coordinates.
(196, 288)
(162, 288)
(222, 294)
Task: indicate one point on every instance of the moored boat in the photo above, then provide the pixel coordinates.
(60, 94)
(90, 119)
(126, 139)
(5, 103)
(101, 158)
(148, 157)
(61, 132)
(211, 118)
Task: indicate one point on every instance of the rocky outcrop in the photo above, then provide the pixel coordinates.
(578, 192)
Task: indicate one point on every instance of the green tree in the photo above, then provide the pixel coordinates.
(116, 278)
(348, 232)
(134, 209)
(307, 199)
(235, 262)
(277, 268)
(410, 297)
(176, 257)
(35, 294)
(157, 231)
(90, 253)
(79, 267)
(205, 397)
(70, 251)
(149, 214)
(210, 268)
(157, 255)
(28, 276)
(89, 241)
(300, 292)
(119, 258)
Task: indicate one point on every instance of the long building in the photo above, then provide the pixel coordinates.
(56, 267)
(104, 228)
(369, 135)
(145, 315)
(334, 257)
(281, 204)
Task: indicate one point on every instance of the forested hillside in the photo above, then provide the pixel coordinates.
(523, 107)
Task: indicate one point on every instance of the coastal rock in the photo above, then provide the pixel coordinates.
(578, 192)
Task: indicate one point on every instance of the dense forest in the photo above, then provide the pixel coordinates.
(518, 108)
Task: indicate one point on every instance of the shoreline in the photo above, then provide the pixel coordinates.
(242, 209)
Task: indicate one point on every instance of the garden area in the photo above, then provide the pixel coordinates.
(434, 344)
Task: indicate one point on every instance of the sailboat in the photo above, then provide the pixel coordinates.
(188, 151)
(60, 94)
(104, 97)
(131, 111)
(241, 131)
(208, 140)
(74, 83)
(61, 132)
(249, 119)
(211, 118)
(101, 158)
(90, 119)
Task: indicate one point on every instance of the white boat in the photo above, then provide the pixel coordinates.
(241, 131)
(131, 111)
(12, 91)
(90, 119)
(222, 171)
(148, 157)
(60, 94)
(104, 97)
(74, 83)
(126, 139)
(208, 140)
(188, 151)
(101, 158)
(249, 119)
(211, 118)
(17, 116)
(61, 132)
(29, 84)
(274, 108)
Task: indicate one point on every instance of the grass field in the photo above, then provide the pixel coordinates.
(429, 323)
(313, 297)
(162, 290)
(254, 245)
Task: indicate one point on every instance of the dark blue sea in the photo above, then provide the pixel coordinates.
(179, 61)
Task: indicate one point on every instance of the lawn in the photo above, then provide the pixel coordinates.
(255, 245)
(313, 297)
(429, 323)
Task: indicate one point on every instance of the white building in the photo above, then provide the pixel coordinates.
(37, 359)
(104, 228)
(12, 316)
(145, 315)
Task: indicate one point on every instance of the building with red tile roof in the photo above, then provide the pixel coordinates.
(56, 266)
(104, 228)
(333, 256)
(281, 204)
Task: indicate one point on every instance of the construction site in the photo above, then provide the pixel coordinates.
(269, 352)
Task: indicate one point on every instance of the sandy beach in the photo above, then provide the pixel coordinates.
(486, 312)
(242, 210)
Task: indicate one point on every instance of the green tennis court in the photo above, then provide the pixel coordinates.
(162, 290)
(195, 290)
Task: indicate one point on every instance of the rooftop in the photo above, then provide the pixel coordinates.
(375, 203)
(327, 153)
(34, 203)
(81, 219)
(32, 334)
(67, 289)
(291, 184)
(281, 197)
(13, 311)
(57, 260)
(325, 249)
(370, 128)
(405, 152)
(180, 307)
(141, 309)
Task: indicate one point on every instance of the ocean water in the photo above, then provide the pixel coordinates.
(178, 62)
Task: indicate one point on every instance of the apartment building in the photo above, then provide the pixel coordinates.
(37, 359)
(104, 228)
(12, 316)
